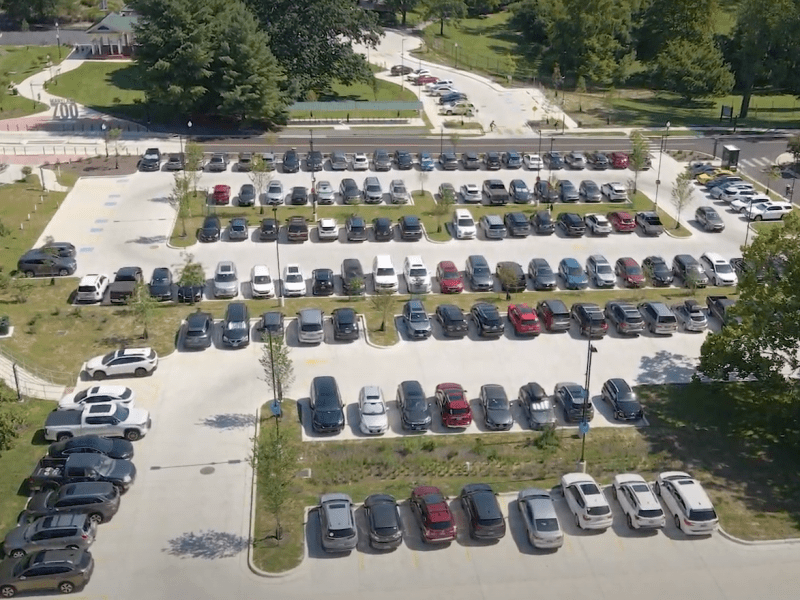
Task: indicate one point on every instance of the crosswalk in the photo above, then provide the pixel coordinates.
(756, 164)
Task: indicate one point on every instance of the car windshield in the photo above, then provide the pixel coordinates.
(108, 357)
(633, 269)
(294, 278)
(373, 407)
(604, 269)
(275, 188)
(466, 222)
(496, 403)
(451, 275)
(544, 271)
(418, 272)
(262, 279)
(237, 325)
(418, 317)
(547, 524)
(225, 277)
(385, 272)
(724, 268)
(574, 271)
(481, 270)
(628, 405)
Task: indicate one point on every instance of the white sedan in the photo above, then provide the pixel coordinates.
(533, 162)
(372, 408)
(115, 394)
(586, 501)
(470, 192)
(640, 505)
(768, 211)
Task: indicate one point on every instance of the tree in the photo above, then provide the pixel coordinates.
(277, 364)
(143, 306)
(193, 163)
(383, 304)
(276, 459)
(450, 11)
(693, 69)
(181, 199)
(681, 194)
(191, 274)
(113, 137)
(313, 42)
(532, 20)
(508, 279)
(666, 20)
(442, 207)
(477, 8)
(764, 346)
(260, 175)
(793, 146)
(638, 156)
(403, 7)
(355, 287)
(11, 422)
(31, 11)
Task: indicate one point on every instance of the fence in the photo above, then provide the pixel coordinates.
(32, 382)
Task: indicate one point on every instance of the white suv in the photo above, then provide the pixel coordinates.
(294, 283)
(718, 269)
(92, 288)
(688, 502)
(586, 501)
(130, 361)
(769, 211)
(638, 502)
(384, 276)
(360, 162)
(261, 284)
(418, 278)
(464, 224)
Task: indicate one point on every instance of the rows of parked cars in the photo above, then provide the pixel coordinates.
(75, 488)
(684, 497)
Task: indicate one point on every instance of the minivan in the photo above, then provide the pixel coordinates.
(327, 408)
(236, 325)
(309, 326)
(659, 318)
(479, 274)
(689, 269)
(688, 502)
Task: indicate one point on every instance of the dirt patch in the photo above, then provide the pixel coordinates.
(100, 165)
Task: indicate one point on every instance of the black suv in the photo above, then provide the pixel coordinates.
(299, 195)
(624, 317)
(572, 224)
(410, 228)
(269, 230)
(620, 396)
(452, 320)
(383, 229)
(199, 329)
(356, 229)
(484, 517)
(413, 405)
(348, 189)
(291, 161)
(236, 325)
(487, 318)
(590, 319)
(151, 160)
(542, 223)
(517, 224)
(352, 272)
(345, 324)
(314, 160)
(403, 159)
(545, 192)
(210, 230)
(574, 401)
(327, 408)
(160, 286)
(492, 161)
(381, 160)
(322, 282)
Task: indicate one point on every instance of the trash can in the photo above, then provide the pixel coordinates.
(5, 325)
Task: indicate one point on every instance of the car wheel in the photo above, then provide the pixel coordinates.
(29, 274)
(63, 272)
(17, 553)
(657, 489)
(630, 523)
(678, 523)
(758, 218)
(66, 587)
(96, 518)
(7, 591)
(99, 375)
(140, 372)
(132, 435)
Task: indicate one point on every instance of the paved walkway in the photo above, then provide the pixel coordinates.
(29, 385)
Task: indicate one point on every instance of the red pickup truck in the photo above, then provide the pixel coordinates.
(453, 404)
(222, 194)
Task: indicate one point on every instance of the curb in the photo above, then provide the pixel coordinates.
(370, 343)
(736, 540)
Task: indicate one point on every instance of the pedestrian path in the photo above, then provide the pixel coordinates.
(28, 385)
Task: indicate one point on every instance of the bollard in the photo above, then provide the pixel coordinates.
(21, 227)
(29, 216)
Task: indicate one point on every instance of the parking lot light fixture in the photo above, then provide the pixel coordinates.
(402, 64)
(104, 127)
(540, 143)
(661, 149)
(278, 289)
(589, 353)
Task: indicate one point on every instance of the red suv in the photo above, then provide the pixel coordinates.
(450, 280)
(424, 79)
(630, 272)
(621, 221)
(453, 404)
(431, 509)
(222, 194)
(524, 319)
(618, 160)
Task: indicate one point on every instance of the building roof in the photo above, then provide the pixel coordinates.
(115, 23)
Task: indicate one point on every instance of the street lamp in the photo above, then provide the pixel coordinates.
(313, 177)
(278, 290)
(441, 140)
(584, 424)
(540, 143)
(402, 64)
(58, 41)
(550, 160)
(661, 149)
(104, 127)
(456, 55)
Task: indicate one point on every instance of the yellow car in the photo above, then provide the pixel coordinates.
(704, 178)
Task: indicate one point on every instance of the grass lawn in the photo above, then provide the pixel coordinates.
(19, 63)
(18, 462)
(112, 88)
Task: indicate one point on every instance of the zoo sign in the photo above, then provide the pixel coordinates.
(64, 109)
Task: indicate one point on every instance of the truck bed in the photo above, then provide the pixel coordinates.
(62, 418)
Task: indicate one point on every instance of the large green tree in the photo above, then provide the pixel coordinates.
(31, 11)
(666, 20)
(692, 69)
(444, 11)
(207, 57)
(312, 41)
(764, 345)
(403, 7)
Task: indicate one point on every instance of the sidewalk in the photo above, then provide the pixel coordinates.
(29, 385)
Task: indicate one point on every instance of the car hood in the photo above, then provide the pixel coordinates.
(137, 416)
(417, 415)
(579, 278)
(419, 325)
(94, 363)
(160, 288)
(547, 278)
(328, 417)
(38, 502)
(14, 539)
(501, 416)
(375, 421)
(122, 470)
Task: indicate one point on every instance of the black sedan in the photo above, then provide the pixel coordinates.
(299, 195)
(403, 159)
(496, 408)
(94, 444)
(383, 522)
(322, 282)
(291, 162)
(487, 318)
(190, 294)
(413, 405)
(345, 324)
(268, 232)
(622, 400)
(657, 271)
(247, 195)
(210, 230)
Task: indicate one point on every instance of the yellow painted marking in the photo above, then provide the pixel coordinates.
(467, 553)
(314, 362)
(415, 559)
(361, 565)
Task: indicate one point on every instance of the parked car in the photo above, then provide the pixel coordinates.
(618, 160)
(575, 160)
(517, 224)
(614, 191)
(491, 161)
(658, 318)
(542, 223)
(269, 230)
(261, 284)
(496, 408)
(471, 194)
(545, 192)
(327, 408)
(226, 280)
(463, 224)
(691, 315)
(541, 274)
(383, 522)
(298, 196)
(586, 501)
(275, 193)
(598, 161)
(709, 219)
(309, 326)
(151, 160)
(384, 275)
(433, 514)
(114, 394)
(327, 229)
(487, 319)
(567, 191)
(426, 161)
(221, 194)
(360, 162)
(338, 531)
(512, 160)
(471, 161)
(236, 325)
(381, 161)
(416, 321)
(590, 319)
(62, 570)
(199, 331)
(533, 162)
(478, 273)
(689, 270)
(622, 399)
(373, 411)
(553, 160)
(322, 282)
(398, 192)
(53, 472)
(574, 401)
(92, 288)
(97, 499)
(511, 276)
(624, 317)
(484, 518)
(537, 406)
(401, 70)
(630, 272)
(324, 192)
(345, 324)
(519, 191)
(638, 502)
(116, 448)
(622, 222)
(571, 224)
(247, 194)
(356, 229)
(353, 281)
(691, 508)
(554, 315)
(291, 161)
(524, 320)
(271, 323)
(768, 211)
(657, 271)
(210, 229)
(129, 361)
(238, 229)
(413, 406)
(297, 229)
(73, 530)
(598, 224)
(160, 286)
(314, 160)
(453, 405)
(452, 320)
(572, 274)
(449, 160)
(719, 270)
(599, 271)
(338, 161)
(493, 227)
(294, 282)
(495, 192)
(373, 191)
(538, 512)
(410, 228)
(383, 229)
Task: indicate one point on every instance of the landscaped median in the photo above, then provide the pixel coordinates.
(712, 431)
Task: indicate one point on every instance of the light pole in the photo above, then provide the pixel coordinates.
(550, 160)
(58, 41)
(313, 178)
(441, 140)
(104, 127)
(747, 220)
(661, 149)
(540, 143)
(456, 55)
(584, 424)
(278, 280)
(276, 403)
(402, 64)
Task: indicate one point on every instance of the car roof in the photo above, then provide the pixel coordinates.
(412, 387)
(197, 319)
(236, 310)
(416, 305)
(620, 384)
(451, 310)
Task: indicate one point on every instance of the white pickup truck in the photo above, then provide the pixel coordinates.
(112, 420)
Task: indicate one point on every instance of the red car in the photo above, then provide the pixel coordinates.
(630, 272)
(450, 280)
(222, 194)
(524, 319)
(454, 406)
(423, 79)
(622, 222)
(431, 509)
(618, 160)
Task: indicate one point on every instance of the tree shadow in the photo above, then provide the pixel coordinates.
(229, 421)
(665, 367)
(207, 544)
(147, 240)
